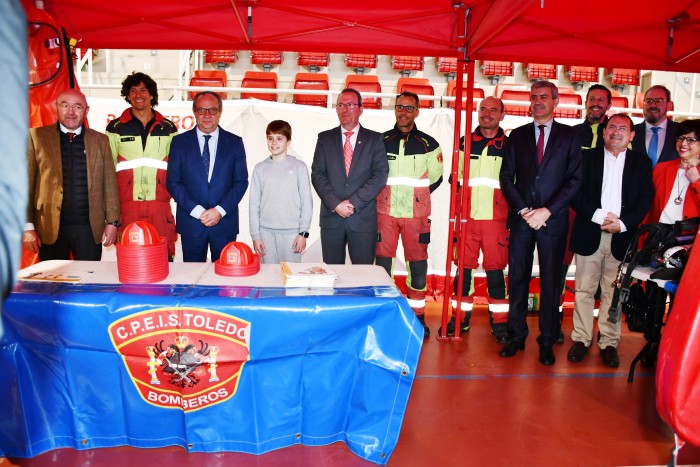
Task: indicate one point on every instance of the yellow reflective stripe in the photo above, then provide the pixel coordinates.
(416, 303)
(483, 181)
(408, 181)
(142, 162)
(466, 306)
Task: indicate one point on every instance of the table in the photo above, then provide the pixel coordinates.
(205, 362)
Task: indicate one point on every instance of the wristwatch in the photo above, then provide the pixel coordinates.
(304, 234)
(117, 224)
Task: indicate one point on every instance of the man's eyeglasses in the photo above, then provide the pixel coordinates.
(687, 139)
(658, 100)
(203, 111)
(75, 107)
(621, 129)
(350, 105)
(407, 108)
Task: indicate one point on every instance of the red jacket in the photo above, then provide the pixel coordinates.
(664, 177)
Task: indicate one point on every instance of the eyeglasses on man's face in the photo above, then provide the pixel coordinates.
(651, 101)
(687, 139)
(203, 111)
(75, 107)
(349, 105)
(407, 108)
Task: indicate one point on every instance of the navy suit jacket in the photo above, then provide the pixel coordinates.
(637, 195)
(188, 185)
(668, 153)
(369, 171)
(552, 185)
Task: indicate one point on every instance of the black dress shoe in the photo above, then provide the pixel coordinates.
(610, 357)
(511, 348)
(560, 337)
(577, 352)
(547, 356)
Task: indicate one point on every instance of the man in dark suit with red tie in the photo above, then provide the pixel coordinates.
(540, 174)
(349, 170)
(207, 177)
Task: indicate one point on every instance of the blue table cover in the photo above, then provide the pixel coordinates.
(208, 368)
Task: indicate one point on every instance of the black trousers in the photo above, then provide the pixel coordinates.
(361, 245)
(76, 239)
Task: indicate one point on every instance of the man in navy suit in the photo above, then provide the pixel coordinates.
(615, 195)
(207, 177)
(655, 137)
(349, 170)
(540, 174)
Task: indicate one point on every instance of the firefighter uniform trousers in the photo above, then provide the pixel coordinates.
(403, 207)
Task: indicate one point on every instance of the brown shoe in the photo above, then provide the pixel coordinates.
(610, 357)
(577, 352)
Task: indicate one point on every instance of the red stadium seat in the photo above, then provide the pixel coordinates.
(220, 57)
(312, 60)
(266, 59)
(318, 81)
(566, 98)
(500, 88)
(623, 76)
(421, 90)
(360, 62)
(208, 82)
(581, 74)
(416, 81)
(405, 64)
(366, 83)
(639, 100)
(495, 70)
(259, 79)
(541, 71)
(514, 109)
(452, 92)
(446, 65)
(620, 101)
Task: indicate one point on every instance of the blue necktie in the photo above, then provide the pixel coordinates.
(654, 145)
(205, 155)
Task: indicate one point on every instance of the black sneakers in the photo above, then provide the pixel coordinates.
(451, 327)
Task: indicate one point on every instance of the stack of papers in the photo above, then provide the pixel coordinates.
(307, 275)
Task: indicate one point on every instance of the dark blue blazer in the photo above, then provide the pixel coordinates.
(668, 153)
(188, 185)
(637, 195)
(552, 185)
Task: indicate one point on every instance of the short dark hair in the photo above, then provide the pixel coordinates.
(211, 93)
(621, 115)
(662, 87)
(599, 87)
(689, 126)
(356, 92)
(136, 78)
(409, 94)
(279, 127)
(546, 84)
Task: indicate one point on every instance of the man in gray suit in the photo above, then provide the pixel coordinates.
(348, 172)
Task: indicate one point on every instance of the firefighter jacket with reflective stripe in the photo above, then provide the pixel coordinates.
(141, 169)
(415, 171)
(486, 202)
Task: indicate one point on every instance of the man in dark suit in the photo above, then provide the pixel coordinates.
(614, 197)
(73, 195)
(655, 137)
(207, 177)
(540, 174)
(349, 170)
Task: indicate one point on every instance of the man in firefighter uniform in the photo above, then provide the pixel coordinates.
(486, 215)
(140, 141)
(403, 206)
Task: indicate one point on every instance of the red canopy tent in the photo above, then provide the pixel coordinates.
(640, 34)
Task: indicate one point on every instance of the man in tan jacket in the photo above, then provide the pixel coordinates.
(73, 197)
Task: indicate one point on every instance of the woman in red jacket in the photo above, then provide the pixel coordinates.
(676, 186)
